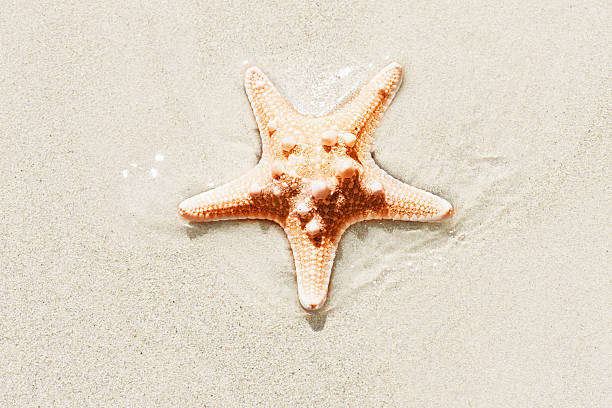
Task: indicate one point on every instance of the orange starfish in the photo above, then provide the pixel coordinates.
(316, 177)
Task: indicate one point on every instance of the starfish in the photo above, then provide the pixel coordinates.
(316, 177)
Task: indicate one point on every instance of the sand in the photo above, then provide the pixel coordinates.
(112, 112)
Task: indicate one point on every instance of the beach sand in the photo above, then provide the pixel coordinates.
(112, 113)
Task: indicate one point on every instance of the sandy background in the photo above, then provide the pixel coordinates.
(112, 113)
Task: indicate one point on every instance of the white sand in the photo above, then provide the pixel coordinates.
(106, 299)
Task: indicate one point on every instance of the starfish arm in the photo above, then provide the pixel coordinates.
(361, 114)
(270, 108)
(314, 259)
(407, 203)
(233, 200)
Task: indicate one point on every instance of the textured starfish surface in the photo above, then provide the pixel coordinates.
(316, 177)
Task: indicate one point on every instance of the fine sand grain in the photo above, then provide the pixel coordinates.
(113, 112)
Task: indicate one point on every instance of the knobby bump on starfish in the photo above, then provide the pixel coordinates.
(316, 177)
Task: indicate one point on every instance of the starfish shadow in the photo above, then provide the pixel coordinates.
(316, 321)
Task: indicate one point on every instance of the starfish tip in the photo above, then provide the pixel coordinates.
(184, 209)
(252, 70)
(312, 303)
(446, 211)
(395, 65)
